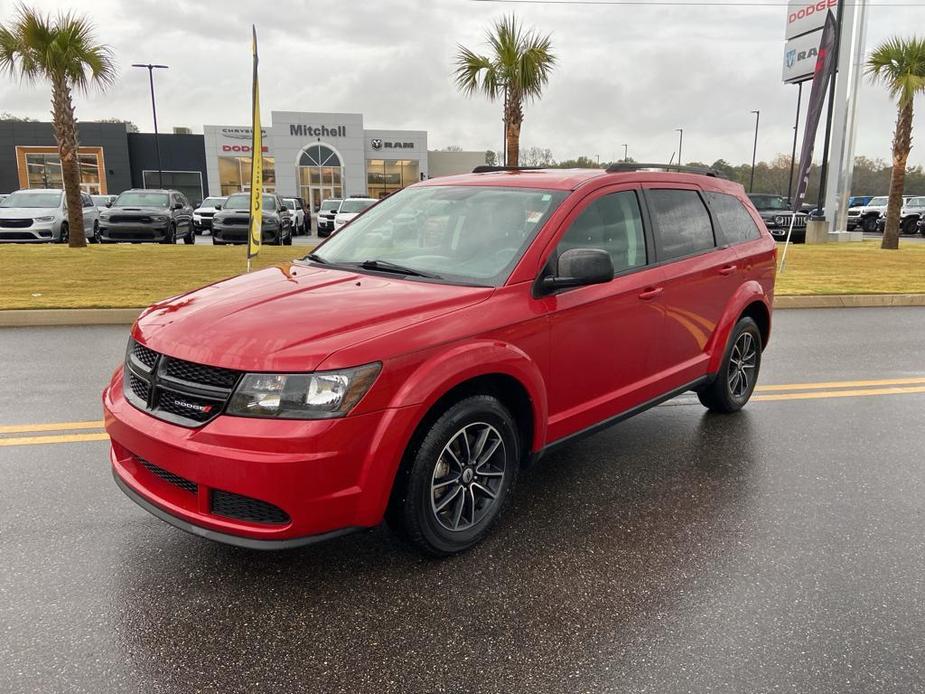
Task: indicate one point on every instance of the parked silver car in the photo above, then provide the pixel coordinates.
(39, 215)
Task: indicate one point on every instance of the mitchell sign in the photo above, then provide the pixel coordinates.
(300, 130)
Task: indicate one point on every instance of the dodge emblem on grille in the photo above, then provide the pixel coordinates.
(185, 404)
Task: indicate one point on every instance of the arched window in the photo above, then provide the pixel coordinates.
(319, 155)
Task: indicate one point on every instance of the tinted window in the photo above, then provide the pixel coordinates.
(735, 221)
(33, 199)
(612, 223)
(137, 198)
(683, 225)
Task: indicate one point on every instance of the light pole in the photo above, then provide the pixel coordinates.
(157, 145)
(751, 185)
(626, 153)
(598, 159)
(680, 132)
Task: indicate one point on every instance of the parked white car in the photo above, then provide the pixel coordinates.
(202, 215)
(39, 215)
(298, 215)
(350, 208)
(326, 214)
(102, 201)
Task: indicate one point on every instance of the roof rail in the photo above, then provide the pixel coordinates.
(484, 168)
(623, 167)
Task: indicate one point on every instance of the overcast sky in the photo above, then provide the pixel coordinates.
(628, 74)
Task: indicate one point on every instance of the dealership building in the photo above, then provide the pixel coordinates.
(311, 155)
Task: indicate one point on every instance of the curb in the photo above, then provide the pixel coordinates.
(127, 316)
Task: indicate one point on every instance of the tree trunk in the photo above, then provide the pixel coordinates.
(514, 118)
(65, 127)
(902, 144)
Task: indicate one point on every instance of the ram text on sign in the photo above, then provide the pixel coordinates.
(804, 16)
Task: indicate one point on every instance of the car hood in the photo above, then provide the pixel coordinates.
(140, 210)
(291, 317)
(20, 212)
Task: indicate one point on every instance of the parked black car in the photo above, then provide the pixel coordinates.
(776, 213)
(138, 215)
(232, 222)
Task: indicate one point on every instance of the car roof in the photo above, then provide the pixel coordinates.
(572, 179)
(38, 190)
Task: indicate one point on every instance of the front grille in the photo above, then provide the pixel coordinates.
(175, 390)
(244, 508)
(18, 236)
(206, 214)
(198, 373)
(237, 221)
(15, 223)
(169, 477)
(131, 234)
(129, 219)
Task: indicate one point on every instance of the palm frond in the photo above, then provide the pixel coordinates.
(899, 64)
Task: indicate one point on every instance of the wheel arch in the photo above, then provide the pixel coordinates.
(750, 300)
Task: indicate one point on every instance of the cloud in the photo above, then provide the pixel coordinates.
(627, 74)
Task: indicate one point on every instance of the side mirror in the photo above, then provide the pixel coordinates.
(218, 207)
(178, 206)
(579, 267)
(109, 204)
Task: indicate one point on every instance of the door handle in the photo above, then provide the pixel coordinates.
(650, 293)
(727, 269)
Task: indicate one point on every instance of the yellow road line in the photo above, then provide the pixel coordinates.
(840, 384)
(53, 426)
(839, 394)
(63, 438)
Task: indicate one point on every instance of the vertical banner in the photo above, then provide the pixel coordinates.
(822, 75)
(256, 218)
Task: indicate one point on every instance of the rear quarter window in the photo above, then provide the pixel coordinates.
(735, 222)
(682, 223)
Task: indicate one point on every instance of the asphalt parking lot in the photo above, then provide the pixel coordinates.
(780, 549)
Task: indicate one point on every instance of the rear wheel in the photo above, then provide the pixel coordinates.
(190, 236)
(910, 225)
(738, 374)
(64, 235)
(454, 486)
(869, 224)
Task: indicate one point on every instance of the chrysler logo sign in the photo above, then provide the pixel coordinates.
(240, 133)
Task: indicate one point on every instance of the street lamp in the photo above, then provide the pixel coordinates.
(680, 131)
(157, 145)
(626, 153)
(751, 185)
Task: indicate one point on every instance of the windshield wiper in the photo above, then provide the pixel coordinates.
(386, 266)
(317, 258)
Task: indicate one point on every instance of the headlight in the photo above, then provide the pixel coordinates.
(158, 218)
(44, 219)
(321, 395)
(779, 221)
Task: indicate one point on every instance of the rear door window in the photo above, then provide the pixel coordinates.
(682, 224)
(734, 220)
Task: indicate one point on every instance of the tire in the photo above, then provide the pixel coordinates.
(909, 226)
(869, 225)
(171, 236)
(190, 237)
(95, 238)
(483, 489)
(64, 234)
(728, 393)
(288, 240)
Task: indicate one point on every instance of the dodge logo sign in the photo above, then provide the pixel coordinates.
(376, 143)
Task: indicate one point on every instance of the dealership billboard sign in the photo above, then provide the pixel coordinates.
(800, 56)
(804, 16)
(237, 141)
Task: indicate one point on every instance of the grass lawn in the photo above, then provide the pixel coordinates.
(127, 276)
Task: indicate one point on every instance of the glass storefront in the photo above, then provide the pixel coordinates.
(40, 167)
(321, 175)
(384, 176)
(235, 174)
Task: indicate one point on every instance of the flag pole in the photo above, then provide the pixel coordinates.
(255, 226)
(783, 258)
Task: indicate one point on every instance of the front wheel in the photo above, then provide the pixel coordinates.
(738, 374)
(64, 235)
(910, 225)
(454, 486)
(869, 225)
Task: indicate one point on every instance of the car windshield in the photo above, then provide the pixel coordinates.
(769, 202)
(211, 202)
(139, 198)
(464, 234)
(878, 202)
(330, 205)
(354, 206)
(99, 199)
(243, 202)
(290, 203)
(33, 199)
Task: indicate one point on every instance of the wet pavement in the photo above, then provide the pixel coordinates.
(781, 549)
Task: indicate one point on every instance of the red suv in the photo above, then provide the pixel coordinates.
(444, 339)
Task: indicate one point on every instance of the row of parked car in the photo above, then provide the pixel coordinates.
(156, 216)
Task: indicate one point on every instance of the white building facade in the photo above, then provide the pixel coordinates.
(316, 156)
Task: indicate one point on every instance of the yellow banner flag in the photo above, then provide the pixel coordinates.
(255, 236)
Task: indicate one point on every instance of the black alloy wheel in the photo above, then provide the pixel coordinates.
(735, 381)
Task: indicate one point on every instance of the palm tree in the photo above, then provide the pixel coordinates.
(899, 64)
(517, 69)
(62, 50)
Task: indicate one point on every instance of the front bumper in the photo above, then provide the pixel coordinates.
(237, 233)
(202, 223)
(133, 232)
(327, 476)
(31, 234)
